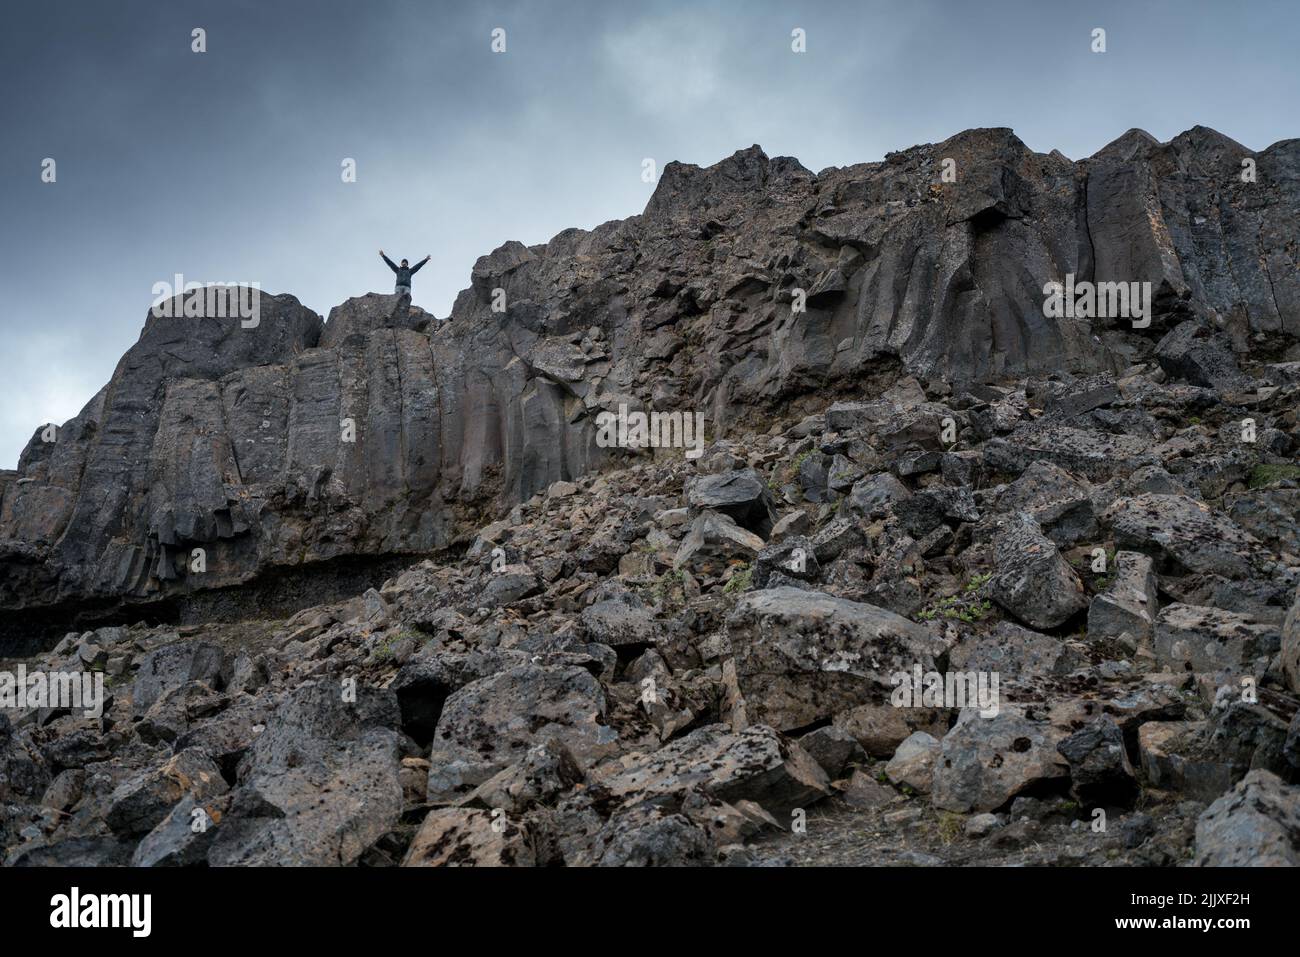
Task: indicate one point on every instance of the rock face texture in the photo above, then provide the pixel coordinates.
(948, 582)
(384, 431)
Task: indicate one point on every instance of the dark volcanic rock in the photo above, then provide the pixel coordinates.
(1100, 772)
(1255, 824)
(172, 667)
(294, 441)
(1184, 531)
(1033, 581)
(320, 785)
(803, 656)
(756, 764)
(382, 591)
(490, 723)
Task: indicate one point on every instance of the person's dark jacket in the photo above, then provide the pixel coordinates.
(404, 273)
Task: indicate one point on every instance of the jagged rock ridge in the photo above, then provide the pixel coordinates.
(210, 435)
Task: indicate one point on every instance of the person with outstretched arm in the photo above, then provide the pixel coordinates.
(404, 272)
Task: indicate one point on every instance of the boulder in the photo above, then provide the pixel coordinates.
(1032, 580)
(509, 584)
(491, 723)
(173, 666)
(1100, 772)
(1183, 531)
(1174, 759)
(1200, 638)
(802, 656)
(1291, 645)
(1256, 824)
(1097, 456)
(541, 777)
(139, 804)
(647, 836)
(323, 739)
(715, 539)
(1129, 603)
(985, 762)
(741, 494)
(913, 763)
(833, 748)
(184, 837)
(756, 764)
(873, 497)
(467, 837)
(1194, 353)
(620, 621)
(793, 557)
(1056, 500)
(1014, 651)
(881, 728)
(931, 507)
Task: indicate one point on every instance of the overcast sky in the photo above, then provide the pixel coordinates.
(225, 165)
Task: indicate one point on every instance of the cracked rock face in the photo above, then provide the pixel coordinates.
(230, 439)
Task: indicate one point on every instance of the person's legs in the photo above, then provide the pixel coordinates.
(403, 290)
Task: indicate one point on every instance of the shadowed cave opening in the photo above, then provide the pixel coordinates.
(277, 593)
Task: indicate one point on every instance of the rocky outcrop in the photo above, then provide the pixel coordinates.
(1035, 604)
(743, 287)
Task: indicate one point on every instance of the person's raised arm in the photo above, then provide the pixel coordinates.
(389, 261)
(417, 266)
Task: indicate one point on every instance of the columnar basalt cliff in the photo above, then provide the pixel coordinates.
(961, 578)
(232, 439)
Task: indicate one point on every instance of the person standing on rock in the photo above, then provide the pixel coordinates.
(404, 273)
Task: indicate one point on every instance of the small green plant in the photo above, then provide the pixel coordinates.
(384, 650)
(1262, 475)
(950, 826)
(790, 470)
(662, 586)
(967, 606)
(740, 580)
